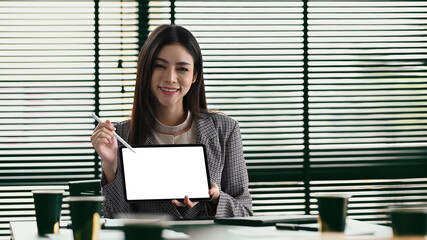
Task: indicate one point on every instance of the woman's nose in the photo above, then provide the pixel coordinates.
(170, 75)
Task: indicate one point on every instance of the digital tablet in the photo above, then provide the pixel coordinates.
(165, 172)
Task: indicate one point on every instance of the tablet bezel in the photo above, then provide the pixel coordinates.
(166, 199)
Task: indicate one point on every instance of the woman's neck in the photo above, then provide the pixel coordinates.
(171, 117)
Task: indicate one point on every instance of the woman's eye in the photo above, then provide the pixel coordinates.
(183, 69)
(159, 66)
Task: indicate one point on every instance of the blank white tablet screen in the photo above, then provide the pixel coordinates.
(165, 172)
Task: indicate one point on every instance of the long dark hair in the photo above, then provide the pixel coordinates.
(143, 118)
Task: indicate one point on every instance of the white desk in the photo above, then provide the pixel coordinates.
(28, 230)
(209, 231)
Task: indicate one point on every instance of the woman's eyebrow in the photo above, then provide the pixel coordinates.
(183, 63)
(178, 63)
(162, 60)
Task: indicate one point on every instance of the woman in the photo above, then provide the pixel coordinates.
(170, 108)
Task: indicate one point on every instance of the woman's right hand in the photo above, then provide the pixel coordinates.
(105, 145)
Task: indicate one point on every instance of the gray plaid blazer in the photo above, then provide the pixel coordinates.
(221, 136)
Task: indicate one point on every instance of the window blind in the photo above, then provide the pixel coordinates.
(59, 61)
(367, 103)
(46, 85)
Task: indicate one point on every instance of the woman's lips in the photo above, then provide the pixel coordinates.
(169, 91)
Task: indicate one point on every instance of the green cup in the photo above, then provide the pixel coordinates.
(332, 212)
(85, 216)
(144, 226)
(409, 221)
(135, 231)
(48, 205)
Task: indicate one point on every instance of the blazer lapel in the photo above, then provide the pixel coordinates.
(207, 135)
(205, 129)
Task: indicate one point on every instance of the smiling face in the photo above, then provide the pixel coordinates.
(172, 77)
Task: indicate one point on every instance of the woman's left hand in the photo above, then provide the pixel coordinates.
(214, 192)
(187, 202)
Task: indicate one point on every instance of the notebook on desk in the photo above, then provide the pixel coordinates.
(267, 220)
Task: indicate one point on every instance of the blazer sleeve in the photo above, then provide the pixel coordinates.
(235, 199)
(114, 198)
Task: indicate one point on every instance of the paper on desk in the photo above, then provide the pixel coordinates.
(171, 234)
(352, 231)
(359, 228)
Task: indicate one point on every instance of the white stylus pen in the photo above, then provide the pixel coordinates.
(115, 134)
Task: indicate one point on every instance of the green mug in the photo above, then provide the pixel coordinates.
(144, 226)
(135, 231)
(332, 210)
(48, 205)
(85, 216)
(409, 221)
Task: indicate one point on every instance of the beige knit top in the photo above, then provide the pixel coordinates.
(163, 134)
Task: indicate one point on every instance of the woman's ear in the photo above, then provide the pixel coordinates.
(194, 78)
